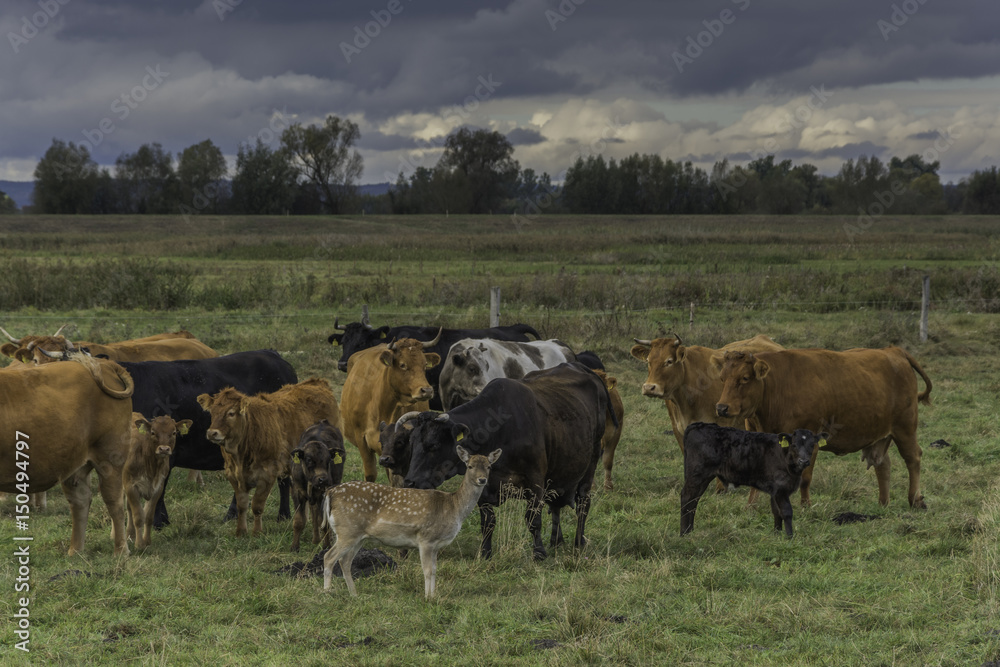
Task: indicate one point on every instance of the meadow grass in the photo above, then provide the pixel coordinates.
(906, 587)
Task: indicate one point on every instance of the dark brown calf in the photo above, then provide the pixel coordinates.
(317, 465)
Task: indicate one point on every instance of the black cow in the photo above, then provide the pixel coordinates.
(317, 465)
(172, 387)
(549, 425)
(358, 336)
(772, 463)
(590, 360)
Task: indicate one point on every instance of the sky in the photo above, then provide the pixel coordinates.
(815, 81)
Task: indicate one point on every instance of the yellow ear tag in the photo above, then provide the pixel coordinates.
(383, 335)
(183, 430)
(337, 458)
(784, 442)
(335, 343)
(142, 429)
(459, 437)
(822, 443)
(295, 458)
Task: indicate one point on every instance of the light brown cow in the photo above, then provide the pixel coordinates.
(146, 469)
(612, 433)
(257, 434)
(863, 398)
(383, 382)
(682, 375)
(60, 421)
(161, 347)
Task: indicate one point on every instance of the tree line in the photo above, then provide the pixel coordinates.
(315, 170)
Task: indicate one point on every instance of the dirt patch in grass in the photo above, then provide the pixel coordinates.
(367, 562)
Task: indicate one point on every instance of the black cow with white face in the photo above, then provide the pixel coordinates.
(172, 388)
(549, 425)
(358, 336)
(772, 463)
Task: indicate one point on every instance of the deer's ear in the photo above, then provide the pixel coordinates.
(462, 453)
(494, 455)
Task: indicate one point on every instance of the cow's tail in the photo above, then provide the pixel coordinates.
(925, 396)
(96, 368)
(525, 330)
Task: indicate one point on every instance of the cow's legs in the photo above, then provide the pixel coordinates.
(110, 485)
(147, 514)
(807, 476)
(693, 489)
(368, 464)
(608, 459)
(242, 503)
(582, 510)
(284, 489)
(883, 473)
(533, 517)
(315, 513)
(259, 501)
(911, 453)
(76, 488)
(781, 508)
(487, 521)
(160, 518)
(298, 520)
(557, 537)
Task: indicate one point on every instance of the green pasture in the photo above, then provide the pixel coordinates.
(906, 587)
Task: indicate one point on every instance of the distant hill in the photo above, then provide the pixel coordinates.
(20, 191)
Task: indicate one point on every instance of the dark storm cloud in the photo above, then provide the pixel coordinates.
(524, 137)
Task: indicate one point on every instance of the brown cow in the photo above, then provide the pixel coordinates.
(612, 431)
(62, 421)
(161, 347)
(258, 433)
(864, 398)
(682, 375)
(383, 382)
(146, 469)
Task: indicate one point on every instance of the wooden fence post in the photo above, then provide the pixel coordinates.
(691, 318)
(925, 305)
(494, 306)
(364, 314)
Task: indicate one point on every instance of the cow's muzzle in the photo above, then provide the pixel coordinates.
(722, 410)
(651, 389)
(342, 366)
(215, 436)
(164, 451)
(386, 461)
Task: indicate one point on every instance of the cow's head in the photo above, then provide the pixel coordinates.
(742, 376)
(799, 448)
(664, 359)
(228, 409)
(395, 441)
(433, 459)
(158, 436)
(408, 362)
(466, 373)
(32, 349)
(355, 337)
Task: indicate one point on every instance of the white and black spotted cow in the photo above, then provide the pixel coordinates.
(472, 363)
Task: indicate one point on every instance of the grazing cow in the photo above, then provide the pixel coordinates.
(549, 425)
(161, 347)
(172, 387)
(683, 376)
(358, 336)
(471, 363)
(146, 470)
(767, 462)
(612, 427)
(426, 519)
(258, 433)
(864, 398)
(62, 421)
(317, 465)
(381, 381)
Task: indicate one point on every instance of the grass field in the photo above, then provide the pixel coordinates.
(908, 587)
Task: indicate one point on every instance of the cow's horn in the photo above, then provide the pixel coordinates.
(70, 346)
(365, 321)
(52, 355)
(432, 343)
(336, 324)
(443, 417)
(392, 345)
(12, 339)
(405, 418)
(643, 342)
(678, 338)
(59, 331)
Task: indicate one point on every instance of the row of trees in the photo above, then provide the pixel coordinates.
(315, 169)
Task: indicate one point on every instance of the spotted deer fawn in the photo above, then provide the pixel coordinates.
(423, 518)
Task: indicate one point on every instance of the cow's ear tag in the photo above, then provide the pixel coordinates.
(337, 458)
(295, 458)
(822, 443)
(384, 335)
(459, 437)
(142, 429)
(183, 430)
(784, 442)
(335, 343)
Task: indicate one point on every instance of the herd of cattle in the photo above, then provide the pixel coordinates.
(420, 402)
